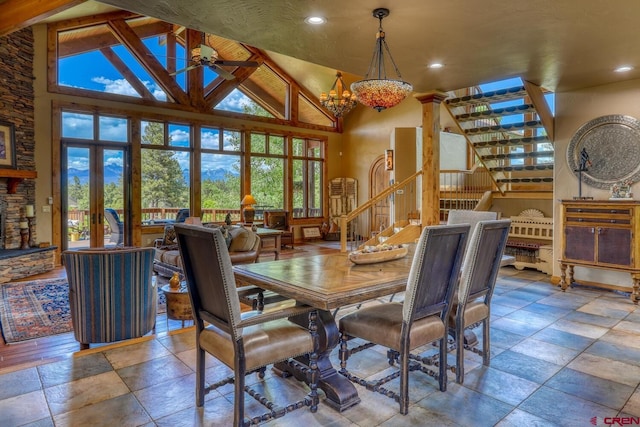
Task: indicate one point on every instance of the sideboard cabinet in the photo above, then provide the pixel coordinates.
(601, 234)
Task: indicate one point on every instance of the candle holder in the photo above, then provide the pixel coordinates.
(30, 220)
(24, 235)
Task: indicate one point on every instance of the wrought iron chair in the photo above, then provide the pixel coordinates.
(479, 272)
(111, 294)
(420, 320)
(245, 343)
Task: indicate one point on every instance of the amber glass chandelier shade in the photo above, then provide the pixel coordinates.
(376, 90)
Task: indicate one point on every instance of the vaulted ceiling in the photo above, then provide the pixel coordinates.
(559, 45)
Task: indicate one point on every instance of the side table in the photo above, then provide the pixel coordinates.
(178, 303)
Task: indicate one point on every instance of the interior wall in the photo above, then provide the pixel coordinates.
(367, 134)
(575, 109)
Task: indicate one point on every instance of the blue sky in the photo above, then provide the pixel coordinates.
(93, 71)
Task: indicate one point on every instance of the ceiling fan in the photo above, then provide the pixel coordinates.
(206, 55)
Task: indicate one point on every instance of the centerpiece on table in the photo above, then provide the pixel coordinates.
(378, 253)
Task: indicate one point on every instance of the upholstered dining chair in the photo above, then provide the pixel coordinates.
(111, 293)
(479, 272)
(422, 317)
(246, 342)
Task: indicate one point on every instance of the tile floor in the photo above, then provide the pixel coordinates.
(557, 359)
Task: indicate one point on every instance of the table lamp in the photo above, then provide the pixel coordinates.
(248, 212)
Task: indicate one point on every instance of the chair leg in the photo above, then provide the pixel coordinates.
(459, 355)
(344, 352)
(486, 342)
(442, 377)
(404, 382)
(238, 405)
(199, 376)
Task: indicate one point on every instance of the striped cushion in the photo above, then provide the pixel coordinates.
(111, 294)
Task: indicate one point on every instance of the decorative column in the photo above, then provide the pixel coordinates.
(431, 156)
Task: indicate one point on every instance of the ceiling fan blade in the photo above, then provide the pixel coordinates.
(237, 63)
(221, 72)
(190, 67)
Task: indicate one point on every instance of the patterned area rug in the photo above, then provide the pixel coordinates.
(39, 308)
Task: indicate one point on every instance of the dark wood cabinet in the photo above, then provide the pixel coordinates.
(601, 234)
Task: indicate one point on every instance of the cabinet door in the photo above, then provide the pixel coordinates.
(614, 246)
(580, 243)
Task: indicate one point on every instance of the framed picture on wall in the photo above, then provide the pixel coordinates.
(7, 146)
(388, 160)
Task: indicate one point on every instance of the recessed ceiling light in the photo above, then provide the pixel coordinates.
(436, 65)
(623, 68)
(315, 20)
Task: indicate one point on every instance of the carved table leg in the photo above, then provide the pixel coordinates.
(341, 393)
(635, 294)
(563, 276)
(570, 275)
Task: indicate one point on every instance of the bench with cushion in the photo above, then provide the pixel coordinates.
(243, 245)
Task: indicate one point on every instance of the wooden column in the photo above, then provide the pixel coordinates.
(431, 156)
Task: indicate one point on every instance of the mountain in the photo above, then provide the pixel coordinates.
(113, 172)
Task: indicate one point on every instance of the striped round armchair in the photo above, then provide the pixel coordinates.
(111, 293)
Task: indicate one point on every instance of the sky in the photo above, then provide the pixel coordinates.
(93, 71)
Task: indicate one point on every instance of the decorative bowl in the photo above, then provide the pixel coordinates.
(362, 257)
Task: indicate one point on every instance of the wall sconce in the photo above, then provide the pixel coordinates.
(388, 160)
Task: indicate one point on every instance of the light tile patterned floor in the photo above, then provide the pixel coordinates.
(557, 359)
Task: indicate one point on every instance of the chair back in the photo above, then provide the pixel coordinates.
(111, 293)
(117, 226)
(209, 275)
(182, 215)
(462, 216)
(435, 271)
(482, 261)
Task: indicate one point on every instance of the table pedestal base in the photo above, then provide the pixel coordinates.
(341, 393)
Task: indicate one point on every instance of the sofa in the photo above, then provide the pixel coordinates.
(242, 243)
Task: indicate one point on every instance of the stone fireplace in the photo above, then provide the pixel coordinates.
(17, 186)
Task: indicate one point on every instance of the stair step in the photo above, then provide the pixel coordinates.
(488, 97)
(519, 168)
(498, 112)
(507, 127)
(523, 180)
(512, 141)
(531, 155)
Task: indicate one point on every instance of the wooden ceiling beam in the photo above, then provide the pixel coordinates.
(126, 72)
(128, 38)
(82, 44)
(227, 86)
(18, 14)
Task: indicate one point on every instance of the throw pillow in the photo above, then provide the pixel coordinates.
(242, 239)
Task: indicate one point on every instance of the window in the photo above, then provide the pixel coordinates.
(308, 163)
(165, 171)
(268, 163)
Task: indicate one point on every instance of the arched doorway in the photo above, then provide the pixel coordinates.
(379, 179)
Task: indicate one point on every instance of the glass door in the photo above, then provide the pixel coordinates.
(94, 211)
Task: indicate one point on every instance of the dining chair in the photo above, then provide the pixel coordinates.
(245, 342)
(479, 272)
(421, 319)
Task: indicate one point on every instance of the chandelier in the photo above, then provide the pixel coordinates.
(378, 91)
(339, 105)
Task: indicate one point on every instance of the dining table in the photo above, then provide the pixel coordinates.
(327, 282)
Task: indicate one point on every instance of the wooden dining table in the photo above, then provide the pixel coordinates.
(327, 282)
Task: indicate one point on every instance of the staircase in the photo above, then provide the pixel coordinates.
(511, 131)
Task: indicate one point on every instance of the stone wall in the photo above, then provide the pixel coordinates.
(16, 108)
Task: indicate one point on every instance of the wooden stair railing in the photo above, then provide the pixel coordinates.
(345, 219)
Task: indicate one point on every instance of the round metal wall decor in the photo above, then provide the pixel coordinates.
(612, 144)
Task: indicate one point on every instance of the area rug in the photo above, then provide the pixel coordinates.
(39, 308)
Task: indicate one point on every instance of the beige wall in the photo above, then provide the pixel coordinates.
(574, 109)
